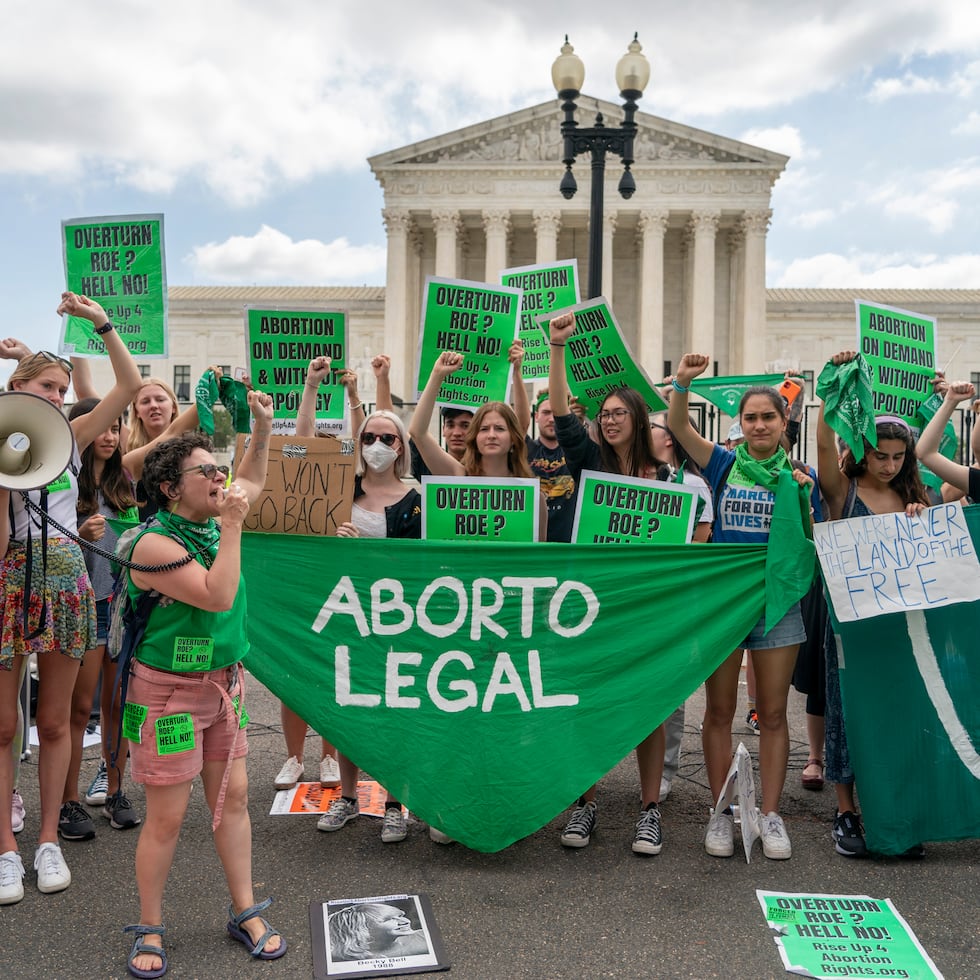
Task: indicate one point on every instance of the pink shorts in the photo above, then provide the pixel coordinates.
(200, 722)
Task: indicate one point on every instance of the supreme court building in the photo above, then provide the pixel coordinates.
(683, 259)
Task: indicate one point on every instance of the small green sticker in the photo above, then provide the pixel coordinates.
(781, 915)
(175, 733)
(63, 482)
(132, 723)
(193, 653)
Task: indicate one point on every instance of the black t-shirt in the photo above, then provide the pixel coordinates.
(557, 484)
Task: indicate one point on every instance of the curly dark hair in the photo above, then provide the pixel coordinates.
(906, 483)
(163, 464)
(115, 484)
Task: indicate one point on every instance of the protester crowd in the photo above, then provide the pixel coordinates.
(184, 715)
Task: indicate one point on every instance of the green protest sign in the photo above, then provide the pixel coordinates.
(900, 347)
(480, 322)
(726, 392)
(628, 510)
(119, 262)
(281, 343)
(546, 287)
(947, 442)
(480, 508)
(926, 652)
(598, 359)
(506, 661)
(831, 936)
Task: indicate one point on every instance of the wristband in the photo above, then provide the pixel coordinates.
(354, 407)
(553, 344)
(104, 329)
(677, 387)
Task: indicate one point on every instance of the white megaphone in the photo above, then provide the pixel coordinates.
(36, 441)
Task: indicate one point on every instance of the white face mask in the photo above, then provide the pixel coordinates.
(378, 457)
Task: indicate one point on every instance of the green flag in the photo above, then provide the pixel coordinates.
(848, 402)
(726, 392)
(455, 673)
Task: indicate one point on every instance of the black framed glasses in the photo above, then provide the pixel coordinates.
(657, 425)
(369, 438)
(53, 359)
(209, 470)
(613, 415)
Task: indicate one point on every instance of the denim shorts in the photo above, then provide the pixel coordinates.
(217, 736)
(786, 633)
(102, 620)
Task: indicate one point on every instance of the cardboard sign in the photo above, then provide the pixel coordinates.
(478, 321)
(480, 508)
(281, 343)
(628, 510)
(900, 347)
(119, 262)
(309, 488)
(598, 359)
(545, 288)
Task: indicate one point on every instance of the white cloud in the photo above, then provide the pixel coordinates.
(785, 139)
(970, 126)
(812, 219)
(270, 257)
(869, 270)
(934, 197)
(909, 84)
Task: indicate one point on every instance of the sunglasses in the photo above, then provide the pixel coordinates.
(369, 438)
(209, 470)
(53, 359)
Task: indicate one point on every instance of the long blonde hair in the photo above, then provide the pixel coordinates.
(138, 436)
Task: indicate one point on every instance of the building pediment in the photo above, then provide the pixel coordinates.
(533, 135)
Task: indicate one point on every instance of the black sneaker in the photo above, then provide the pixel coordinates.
(74, 822)
(581, 824)
(848, 835)
(120, 813)
(648, 838)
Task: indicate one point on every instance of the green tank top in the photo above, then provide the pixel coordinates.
(182, 638)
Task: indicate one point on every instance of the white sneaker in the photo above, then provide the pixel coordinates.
(719, 841)
(98, 789)
(395, 826)
(52, 872)
(329, 772)
(290, 774)
(775, 840)
(438, 837)
(17, 812)
(664, 788)
(11, 878)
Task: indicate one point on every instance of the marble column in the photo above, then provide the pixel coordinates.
(752, 330)
(496, 224)
(547, 224)
(447, 224)
(704, 226)
(651, 229)
(608, 233)
(399, 330)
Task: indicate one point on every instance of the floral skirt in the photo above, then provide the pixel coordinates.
(69, 624)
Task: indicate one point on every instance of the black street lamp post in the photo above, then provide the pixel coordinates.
(568, 75)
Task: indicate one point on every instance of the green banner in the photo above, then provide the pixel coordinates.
(832, 936)
(900, 347)
(546, 288)
(119, 262)
(626, 510)
(910, 683)
(281, 343)
(726, 392)
(598, 359)
(480, 508)
(505, 663)
(480, 322)
(947, 442)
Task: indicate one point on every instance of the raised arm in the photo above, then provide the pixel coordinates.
(440, 463)
(522, 407)
(559, 330)
(678, 417)
(927, 448)
(124, 368)
(381, 366)
(318, 369)
(833, 483)
(185, 421)
(252, 471)
(81, 378)
(348, 378)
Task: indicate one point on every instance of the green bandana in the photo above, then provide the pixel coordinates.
(748, 471)
(231, 393)
(197, 537)
(848, 403)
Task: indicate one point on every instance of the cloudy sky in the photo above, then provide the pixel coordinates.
(248, 125)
